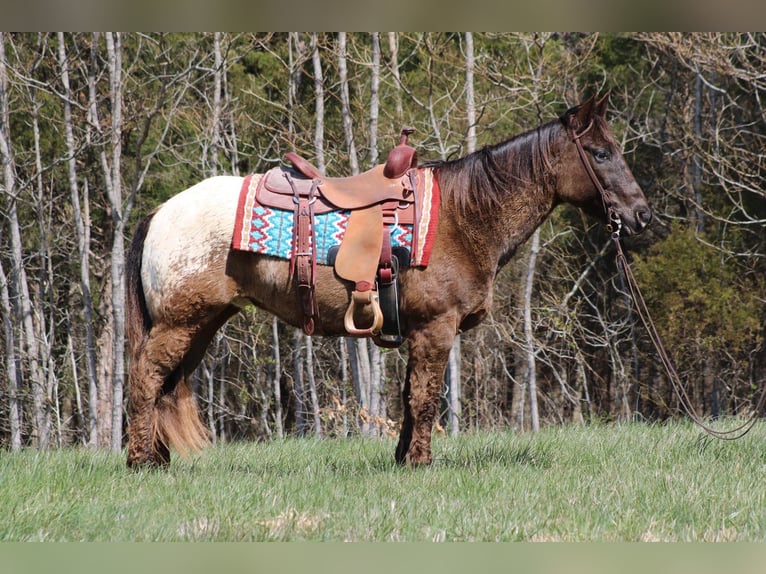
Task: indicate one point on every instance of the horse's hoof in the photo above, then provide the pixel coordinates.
(418, 458)
(147, 466)
(148, 463)
(419, 463)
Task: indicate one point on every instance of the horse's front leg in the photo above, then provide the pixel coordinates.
(429, 350)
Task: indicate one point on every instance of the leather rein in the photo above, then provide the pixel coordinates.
(614, 225)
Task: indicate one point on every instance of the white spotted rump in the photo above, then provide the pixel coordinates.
(187, 232)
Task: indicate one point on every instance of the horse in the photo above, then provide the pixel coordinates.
(184, 280)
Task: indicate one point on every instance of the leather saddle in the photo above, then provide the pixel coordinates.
(375, 200)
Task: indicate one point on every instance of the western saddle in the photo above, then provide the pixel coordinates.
(375, 200)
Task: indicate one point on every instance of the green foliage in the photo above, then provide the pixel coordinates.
(700, 298)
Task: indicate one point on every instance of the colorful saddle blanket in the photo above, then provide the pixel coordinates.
(269, 231)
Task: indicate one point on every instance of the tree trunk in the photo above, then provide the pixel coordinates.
(358, 348)
(223, 355)
(453, 373)
(113, 334)
(81, 213)
(298, 392)
(345, 104)
(104, 363)
(529, 340)
(470, 99)
(276, 381)
(696, 177)
(377, 357)
(319, 104)
(11, 359)
(344, 362)
(11, 356)
(18, 277)
(313, 386)
(215, 128)
(374, 98)
(393, 49)
(360, 377)
(114, 191)
(44, 330)
(210, 375)
(454, 411)
(377, 400)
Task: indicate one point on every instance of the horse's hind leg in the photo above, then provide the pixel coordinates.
(160, 355)
(429, 350)
(162, 410)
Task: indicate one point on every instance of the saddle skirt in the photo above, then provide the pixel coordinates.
(269, 230)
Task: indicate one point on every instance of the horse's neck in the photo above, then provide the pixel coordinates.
(521, 217)
(498, 213)
(493, 235)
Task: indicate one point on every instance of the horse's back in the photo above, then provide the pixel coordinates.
(188, 241)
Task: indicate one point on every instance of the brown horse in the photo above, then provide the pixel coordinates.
(185, 281)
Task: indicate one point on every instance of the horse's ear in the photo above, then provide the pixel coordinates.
(601, 105)
(583, 114)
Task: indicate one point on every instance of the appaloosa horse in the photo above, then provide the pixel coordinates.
(185, 281)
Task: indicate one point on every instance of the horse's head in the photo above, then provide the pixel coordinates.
(596, 177)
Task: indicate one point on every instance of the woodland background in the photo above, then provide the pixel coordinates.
(96, 129)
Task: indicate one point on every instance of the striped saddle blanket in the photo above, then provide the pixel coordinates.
(269, 231)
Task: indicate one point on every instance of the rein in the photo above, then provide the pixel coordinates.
(615, 226)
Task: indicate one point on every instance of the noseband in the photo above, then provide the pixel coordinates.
(615, 223)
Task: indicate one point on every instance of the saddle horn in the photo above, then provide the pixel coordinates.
(402, 157)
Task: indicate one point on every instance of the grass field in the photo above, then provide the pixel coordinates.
(595, 483)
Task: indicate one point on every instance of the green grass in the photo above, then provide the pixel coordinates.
(605, 483)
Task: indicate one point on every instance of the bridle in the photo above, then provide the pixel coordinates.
(614, 225)
(613, 218)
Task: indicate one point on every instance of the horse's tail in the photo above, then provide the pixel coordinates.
(138, 322)
(175, 420)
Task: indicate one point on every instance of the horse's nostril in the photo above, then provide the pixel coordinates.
(644, 216)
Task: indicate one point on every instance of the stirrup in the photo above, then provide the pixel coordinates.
(362, 298)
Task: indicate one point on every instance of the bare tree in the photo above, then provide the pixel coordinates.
(20, 292)
(393, 48)
(319, 104)
(276, 381)
(215, 120)
(529, 340)
(299, 392)
(362, 371)
(313, 396)
(14, 412)
(345, 104)
(113, 179)
(11, 354)
(81, 214)
(453, 373)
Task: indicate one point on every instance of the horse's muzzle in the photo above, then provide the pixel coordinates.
(643, 218)
(638, 221)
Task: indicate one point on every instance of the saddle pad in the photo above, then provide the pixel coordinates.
(261, 229)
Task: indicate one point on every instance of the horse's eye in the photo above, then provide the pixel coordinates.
(601, 155)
